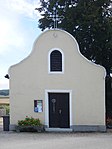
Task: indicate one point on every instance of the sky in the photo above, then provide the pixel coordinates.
(18, 31)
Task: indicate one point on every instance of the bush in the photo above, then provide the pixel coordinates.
(29, 121)
(6, 107)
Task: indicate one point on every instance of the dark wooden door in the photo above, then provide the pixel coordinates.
(59, 110)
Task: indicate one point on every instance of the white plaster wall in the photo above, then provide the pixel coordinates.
(30, 78)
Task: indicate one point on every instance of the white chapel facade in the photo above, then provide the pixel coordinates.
(58, 85)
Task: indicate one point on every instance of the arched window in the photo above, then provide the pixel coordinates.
(56, 61)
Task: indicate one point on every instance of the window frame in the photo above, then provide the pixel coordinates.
(55, 72)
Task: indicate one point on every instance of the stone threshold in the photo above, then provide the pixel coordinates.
(58, 129)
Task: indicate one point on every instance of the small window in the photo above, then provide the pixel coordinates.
(55, 61)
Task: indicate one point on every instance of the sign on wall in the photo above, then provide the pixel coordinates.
(38, 106)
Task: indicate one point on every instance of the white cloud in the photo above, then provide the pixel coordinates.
(4, 29)
(11, 13)
(4, 83)
(9, 36)
(26, 7)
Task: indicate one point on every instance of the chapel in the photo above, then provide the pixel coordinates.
(58, 85)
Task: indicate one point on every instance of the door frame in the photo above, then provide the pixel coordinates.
(47, 105)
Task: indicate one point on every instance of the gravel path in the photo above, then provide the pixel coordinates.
(12, 140)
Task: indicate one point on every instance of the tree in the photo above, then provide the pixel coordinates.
(90, 22)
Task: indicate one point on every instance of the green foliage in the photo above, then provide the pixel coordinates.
(5, 107)
(1, 107)
(29, 121)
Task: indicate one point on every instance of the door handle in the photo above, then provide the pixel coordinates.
(60, 111)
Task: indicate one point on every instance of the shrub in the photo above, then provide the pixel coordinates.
(6, 107)
(29, 121)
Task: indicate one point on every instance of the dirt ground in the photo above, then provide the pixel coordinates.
(11, 140)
